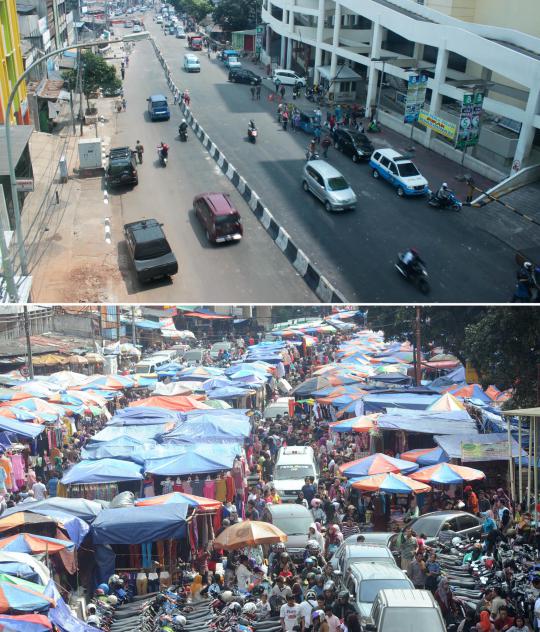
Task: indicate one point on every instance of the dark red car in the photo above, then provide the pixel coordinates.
(219, 217)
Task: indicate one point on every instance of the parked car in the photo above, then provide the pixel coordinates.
(382, 538)
(243, 75)
(219, 217)
(137, 28)
(233, 62)
(348, 554)
(401, 172)
(353, 144)
(284, 77)
(122, 168)
(463, 523)
(327, 184)
(294, 520)
(159, 19)
(363, 580)
(405, 610)
(149, 250)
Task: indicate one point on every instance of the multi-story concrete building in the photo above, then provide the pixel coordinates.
(347, 46)
(11, 64)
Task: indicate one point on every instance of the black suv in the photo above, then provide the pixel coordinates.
(353, 144)
(122, 168)
(149, 250)
(242, 75)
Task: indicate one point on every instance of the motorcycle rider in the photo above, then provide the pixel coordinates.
(182, 128)
(312, 149)
(412, 260)
(443, 194)
(163, 150)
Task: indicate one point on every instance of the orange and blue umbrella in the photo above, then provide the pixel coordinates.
(364, 423)
(391, 484)
(447, 474)
(15, 598)
(198, 502)
(377, 463)
(32, 544)
(24, 623)
(108, 383)
(425, 456)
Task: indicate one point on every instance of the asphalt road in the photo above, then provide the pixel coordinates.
(355, 250)
(253, 270)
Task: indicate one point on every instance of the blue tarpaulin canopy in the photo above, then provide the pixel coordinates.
(135, 525)
(102, 471)
(124, 447)
(142, 433)
(21, 428)
(377, 402)
(227, 392)
(428, 422)
(86, 510)
(142, 415)
(451, 444)
(208, 428)
(191, 462)
(61, 615)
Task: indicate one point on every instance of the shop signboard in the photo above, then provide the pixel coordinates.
(416, 95)
(437, 124)
(484, 451)
(258, 39)
(469, 120)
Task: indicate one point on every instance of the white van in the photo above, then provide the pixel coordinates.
(279, 407)
(293, 464)
(151, 364)
(191, 63)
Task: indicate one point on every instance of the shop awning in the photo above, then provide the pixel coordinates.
(452, 445)
(102, 471)
(135, 525)
(427, 422)
(21, 428)
(343, 73)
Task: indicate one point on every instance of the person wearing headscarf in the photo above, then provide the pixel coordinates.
(445, 599)
(485, 625)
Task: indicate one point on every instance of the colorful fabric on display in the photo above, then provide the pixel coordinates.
(24, 623)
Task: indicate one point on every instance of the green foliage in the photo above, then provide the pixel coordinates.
(236, 15)
(96, 74)
(197, 9)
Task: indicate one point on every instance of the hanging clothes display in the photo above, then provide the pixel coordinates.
(209, 488)
(221, 490)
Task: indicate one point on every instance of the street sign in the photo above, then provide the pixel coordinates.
(25, 185)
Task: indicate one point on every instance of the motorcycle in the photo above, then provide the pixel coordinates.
(252, 134)
(451, 202)
(418, 276)
(312, 155)
(163, 157)
(183, 134)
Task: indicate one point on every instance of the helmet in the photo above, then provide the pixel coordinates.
(235, 607)
(93, 620)
(179, 619)
(284, 555)
(280, 546)
(330, 585)
(183, 120)
(456, 541)
(113, 600)
(313, 546)
(310, 560)
(310, 576)
(91, 607)
(257, 590)
(104, 588)
(114, 578)
(527, 265)
(100, 591)
(316, 502)
(344, 594)
(444, 185)
(249, 608)
(311, 594)
(318, 615)
(226, 596)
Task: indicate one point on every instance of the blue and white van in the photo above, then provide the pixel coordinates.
(401, 172)
(158, 108)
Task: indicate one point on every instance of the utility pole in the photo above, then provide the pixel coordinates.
(28, 343)
(133, 330)
(118, 323)
(418, 347)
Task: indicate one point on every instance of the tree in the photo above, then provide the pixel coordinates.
(504, 347)
(197, 9)
(233, 15)
(96, 74)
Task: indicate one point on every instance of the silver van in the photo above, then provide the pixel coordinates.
(406, 610)
(191, 63)
(326, 183)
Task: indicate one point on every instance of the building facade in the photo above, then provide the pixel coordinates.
(11, 64)
(353, 48)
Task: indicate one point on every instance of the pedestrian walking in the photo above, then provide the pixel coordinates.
(252, 89)
(277, 86)
(282, 91)
(296, 120)
(325, 144)
(187, 98)
(258, 92)
(124, 103)
(285, 119)
(140, 151)
(279, 112)
(122, 73)
(317, 135)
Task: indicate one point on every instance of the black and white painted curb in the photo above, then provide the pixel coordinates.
(324, 290)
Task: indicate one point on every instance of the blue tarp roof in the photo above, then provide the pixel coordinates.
(21, 428)
(143, 433)
(207, 428)
(456, 376)
(135, 525)
(125, 448)
(102, 471)
(61, 615)
(227, 392)
(198, 461)
(377, 402)
(451, 444)
(428, 422)
(86, 510)
(142, 415)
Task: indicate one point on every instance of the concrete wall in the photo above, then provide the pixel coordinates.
(78, 325)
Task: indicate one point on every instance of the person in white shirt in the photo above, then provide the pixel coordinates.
(334, 624)
(305, 609)
(243, 573)
(288, 614)
(39, 489)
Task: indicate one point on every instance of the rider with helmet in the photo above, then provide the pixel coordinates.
(306, 608)
(310, 568)
(319, 621)
(443, 194)
(412, 260)
(342, 608)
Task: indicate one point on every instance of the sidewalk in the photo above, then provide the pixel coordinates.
(64, 225)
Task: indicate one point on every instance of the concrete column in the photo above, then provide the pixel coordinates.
(418, 52)
(376, 41)
(526, 136)
(335, 44)
(438, 82)
(268, 41)
(486, 75)
(290, 40)
(282, 52)
(320, 36)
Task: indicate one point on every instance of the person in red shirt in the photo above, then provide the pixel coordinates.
(503, 621)
(472, 500)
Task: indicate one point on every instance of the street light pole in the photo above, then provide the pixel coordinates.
(11, 167)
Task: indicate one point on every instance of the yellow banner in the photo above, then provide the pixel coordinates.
(439, 125)
(484, 451)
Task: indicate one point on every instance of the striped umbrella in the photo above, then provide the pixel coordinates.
(391, 484)
(425, 456)
(28, 543)
(24, 623)
(15, 598)
(377, 463)
(364, 423)
(447, 474)
(205, 504)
